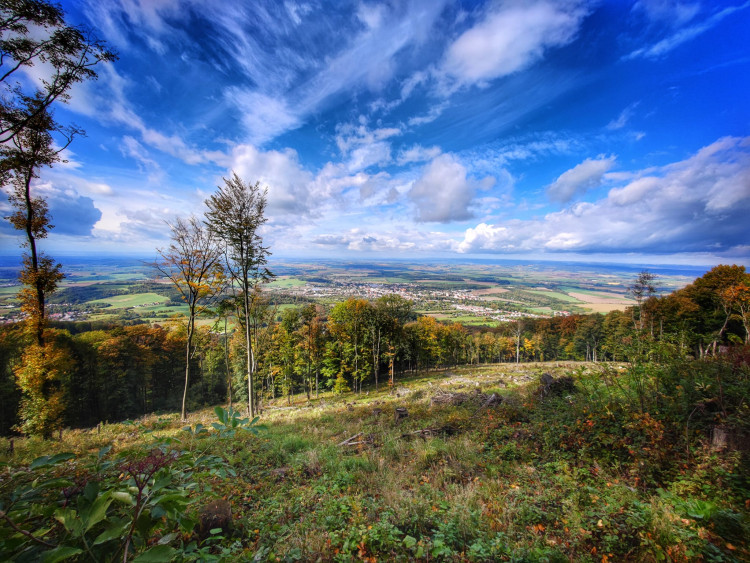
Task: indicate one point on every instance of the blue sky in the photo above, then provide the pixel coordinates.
(569, 129)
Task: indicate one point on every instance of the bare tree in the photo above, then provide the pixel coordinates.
(236, 213)
(643, 288)
(192, 262)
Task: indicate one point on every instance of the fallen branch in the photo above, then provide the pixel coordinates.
(348, 441)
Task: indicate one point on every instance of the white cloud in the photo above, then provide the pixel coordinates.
(580, 178)
(287, 181)
(444, 192)
(671, 12)
(352, 135)
(684, 35)
(263, 116)
(369, 155)
(417, 153)
(622, 119)
(510, 38)
(700, 204)
(399, 238)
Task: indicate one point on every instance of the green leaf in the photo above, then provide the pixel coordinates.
(157, 554)
(222, 415)
(60, 553)
(123, 497)
(162, 481)
(70, 520)
(164, 540)
(111, 533)
(46, 461)
(96, 512)
(410, 542)
(103, 451)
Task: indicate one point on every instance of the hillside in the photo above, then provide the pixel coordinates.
(486, 466)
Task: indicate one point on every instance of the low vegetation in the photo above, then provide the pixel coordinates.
(536, 462)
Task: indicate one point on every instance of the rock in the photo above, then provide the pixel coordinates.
(216, 514)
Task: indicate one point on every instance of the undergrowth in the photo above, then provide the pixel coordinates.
(619, 467)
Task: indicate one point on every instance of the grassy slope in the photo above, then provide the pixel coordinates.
(510, 481)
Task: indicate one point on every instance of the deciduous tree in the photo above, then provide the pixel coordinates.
(192, 262)
(235, 214)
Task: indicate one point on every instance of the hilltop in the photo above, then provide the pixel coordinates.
(490, 464)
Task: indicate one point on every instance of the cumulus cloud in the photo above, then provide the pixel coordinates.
(287, 181)
(579, 179)
(398, 239)
(509, 38)
(70, 212)
(444, 192)
(700, 204)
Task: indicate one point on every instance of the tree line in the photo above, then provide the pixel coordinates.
(122, 372)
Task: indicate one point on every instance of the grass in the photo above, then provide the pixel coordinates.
(131, 300)
(554, 295)
(528, 479)
(286, 282)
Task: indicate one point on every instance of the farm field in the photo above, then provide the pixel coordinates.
(475, 293)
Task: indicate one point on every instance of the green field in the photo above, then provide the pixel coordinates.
(136, 300)
(554, 295)
(286, 282)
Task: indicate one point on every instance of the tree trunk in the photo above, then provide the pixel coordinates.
(250, 356)
(191, 325)
(226, 363)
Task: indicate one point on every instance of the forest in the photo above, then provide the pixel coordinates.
(123, 372)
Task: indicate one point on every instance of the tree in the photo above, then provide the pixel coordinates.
(737, 299)
(224, 310)
(192, 262)
(643, 288)
(21, 160)
(393, 311)
(235, 214)
(348, 323)
(32, 32)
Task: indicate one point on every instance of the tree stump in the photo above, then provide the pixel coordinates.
(216, 514)
(400, 413)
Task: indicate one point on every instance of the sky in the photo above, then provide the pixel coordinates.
(557, 130)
